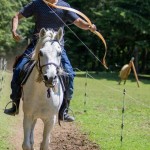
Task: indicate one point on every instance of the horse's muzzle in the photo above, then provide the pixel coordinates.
(50, 82)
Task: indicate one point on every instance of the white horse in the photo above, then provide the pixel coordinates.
(43, 93)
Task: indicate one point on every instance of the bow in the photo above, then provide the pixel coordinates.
(88, 21)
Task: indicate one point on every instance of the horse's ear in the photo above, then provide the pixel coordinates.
(42, 32)
(59, 35)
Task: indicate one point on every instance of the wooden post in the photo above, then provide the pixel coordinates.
(134, 70)
(135, 74)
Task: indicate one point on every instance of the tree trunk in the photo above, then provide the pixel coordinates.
(136, 58)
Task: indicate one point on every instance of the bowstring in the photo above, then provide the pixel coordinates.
(75, 35)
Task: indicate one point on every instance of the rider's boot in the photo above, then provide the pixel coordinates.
(63, 112)
(14, 110)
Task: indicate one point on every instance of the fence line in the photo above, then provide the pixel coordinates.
(3, 69)
(116, 90)
(3, 64)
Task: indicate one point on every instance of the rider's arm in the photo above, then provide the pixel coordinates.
(15, 21)
(84, 25)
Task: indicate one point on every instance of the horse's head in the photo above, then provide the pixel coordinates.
(48, 55)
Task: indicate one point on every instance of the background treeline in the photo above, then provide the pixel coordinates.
(125, 25)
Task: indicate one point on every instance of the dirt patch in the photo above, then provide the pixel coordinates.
(64, 137)
(68, 137)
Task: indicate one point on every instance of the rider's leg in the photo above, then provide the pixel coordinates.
(69, 90)
(15, 86)
(63, 112)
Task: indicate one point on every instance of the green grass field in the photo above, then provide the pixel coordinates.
(101, 116)
(6, 122)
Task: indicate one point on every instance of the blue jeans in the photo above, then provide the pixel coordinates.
(68, 69)
(16, 87)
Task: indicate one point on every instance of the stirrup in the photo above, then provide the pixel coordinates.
(67, 109)
(16, 112)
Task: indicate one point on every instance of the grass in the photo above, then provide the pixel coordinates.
(6, 122)
(101, 116)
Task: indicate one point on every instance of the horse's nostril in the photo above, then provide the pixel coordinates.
(45, 78)
(51, 79)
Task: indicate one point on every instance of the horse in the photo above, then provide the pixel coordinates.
(43, 92)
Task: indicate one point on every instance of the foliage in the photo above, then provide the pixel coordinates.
(8, 10)
(125, 26)
(123, 23)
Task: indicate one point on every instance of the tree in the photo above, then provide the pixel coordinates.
(125, 26)
(128, 25)
(8, 10)
(123, 23)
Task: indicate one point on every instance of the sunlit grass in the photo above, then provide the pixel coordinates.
(7, 123)
(103, 116)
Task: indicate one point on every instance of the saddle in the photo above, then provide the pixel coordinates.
(26, 71)
(64, 80)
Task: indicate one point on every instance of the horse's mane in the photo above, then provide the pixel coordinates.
(49, 35)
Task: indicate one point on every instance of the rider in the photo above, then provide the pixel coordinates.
(44, 17)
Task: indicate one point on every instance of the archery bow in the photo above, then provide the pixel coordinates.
(88, 21)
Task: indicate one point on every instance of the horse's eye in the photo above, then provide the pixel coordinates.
(40, 53)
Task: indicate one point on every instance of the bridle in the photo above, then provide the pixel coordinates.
(40, 68)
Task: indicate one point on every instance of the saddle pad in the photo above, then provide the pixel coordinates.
(26, 71)
(64, 80)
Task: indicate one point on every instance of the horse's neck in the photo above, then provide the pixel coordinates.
(32, 82)
(34, 75)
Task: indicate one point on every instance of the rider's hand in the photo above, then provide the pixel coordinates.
(92, 28)
(16, 36)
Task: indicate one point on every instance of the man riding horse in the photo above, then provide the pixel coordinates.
(48, 18)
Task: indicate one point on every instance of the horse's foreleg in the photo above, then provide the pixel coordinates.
(48, 125)
(27, 126)
(32, 134)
